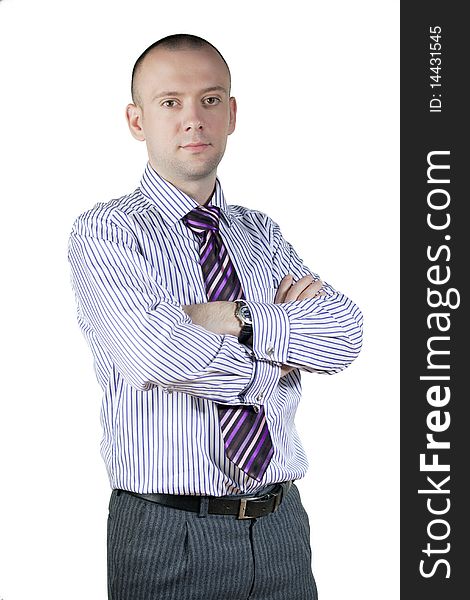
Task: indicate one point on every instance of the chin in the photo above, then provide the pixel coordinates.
(199, 171)
(196, 175)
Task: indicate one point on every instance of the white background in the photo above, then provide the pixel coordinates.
(316, 147)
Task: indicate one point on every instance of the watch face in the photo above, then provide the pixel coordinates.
(245, 314)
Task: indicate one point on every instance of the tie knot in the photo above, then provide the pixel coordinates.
(203, 218)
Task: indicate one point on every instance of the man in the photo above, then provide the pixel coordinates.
(200, 317)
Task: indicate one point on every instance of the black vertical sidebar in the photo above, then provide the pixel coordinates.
(435, 268)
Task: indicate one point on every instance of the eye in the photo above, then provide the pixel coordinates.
(212, 100)
(169, 103)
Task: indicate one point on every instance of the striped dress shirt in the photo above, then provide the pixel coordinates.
(134, 264)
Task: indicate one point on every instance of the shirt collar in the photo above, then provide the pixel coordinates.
(172, 203)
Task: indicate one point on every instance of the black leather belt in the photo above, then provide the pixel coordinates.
(247, 507)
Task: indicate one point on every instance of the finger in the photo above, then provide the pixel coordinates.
(304, 282)
(313, 291)
(316, 286)
(284, 286)
(298, 287)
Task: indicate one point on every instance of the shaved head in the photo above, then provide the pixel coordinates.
(183, 110)
(178, 41)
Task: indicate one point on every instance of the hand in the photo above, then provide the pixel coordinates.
(305, 287)
(286, 369)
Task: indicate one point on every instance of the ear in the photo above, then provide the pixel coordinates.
(134, 121)
(233, 115)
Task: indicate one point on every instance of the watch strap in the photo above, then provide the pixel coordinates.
(246, 335)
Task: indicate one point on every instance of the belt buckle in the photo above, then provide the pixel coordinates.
(277, 499)
(242, 508)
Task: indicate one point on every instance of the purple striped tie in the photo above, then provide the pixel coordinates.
(246, 436)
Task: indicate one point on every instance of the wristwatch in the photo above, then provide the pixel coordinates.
(243, 314)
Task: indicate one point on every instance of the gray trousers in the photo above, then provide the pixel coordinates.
(161, 553)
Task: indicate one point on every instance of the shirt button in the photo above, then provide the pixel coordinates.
(270, 350)
(169, 390)
(260, 396)
(256, 408)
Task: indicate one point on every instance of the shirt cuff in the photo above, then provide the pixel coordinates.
(263, 383)
(271, 331)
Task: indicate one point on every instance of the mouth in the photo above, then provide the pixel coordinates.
(195, 147)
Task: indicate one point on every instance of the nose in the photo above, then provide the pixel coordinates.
(195, 125)
(193, 119)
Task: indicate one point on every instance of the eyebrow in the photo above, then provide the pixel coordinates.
(214, 88)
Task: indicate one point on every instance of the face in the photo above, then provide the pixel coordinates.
(186, 113)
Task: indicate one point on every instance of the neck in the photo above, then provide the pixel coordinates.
(200, 190)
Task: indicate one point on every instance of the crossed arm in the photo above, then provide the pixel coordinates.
(131, 318)
(219, 317)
